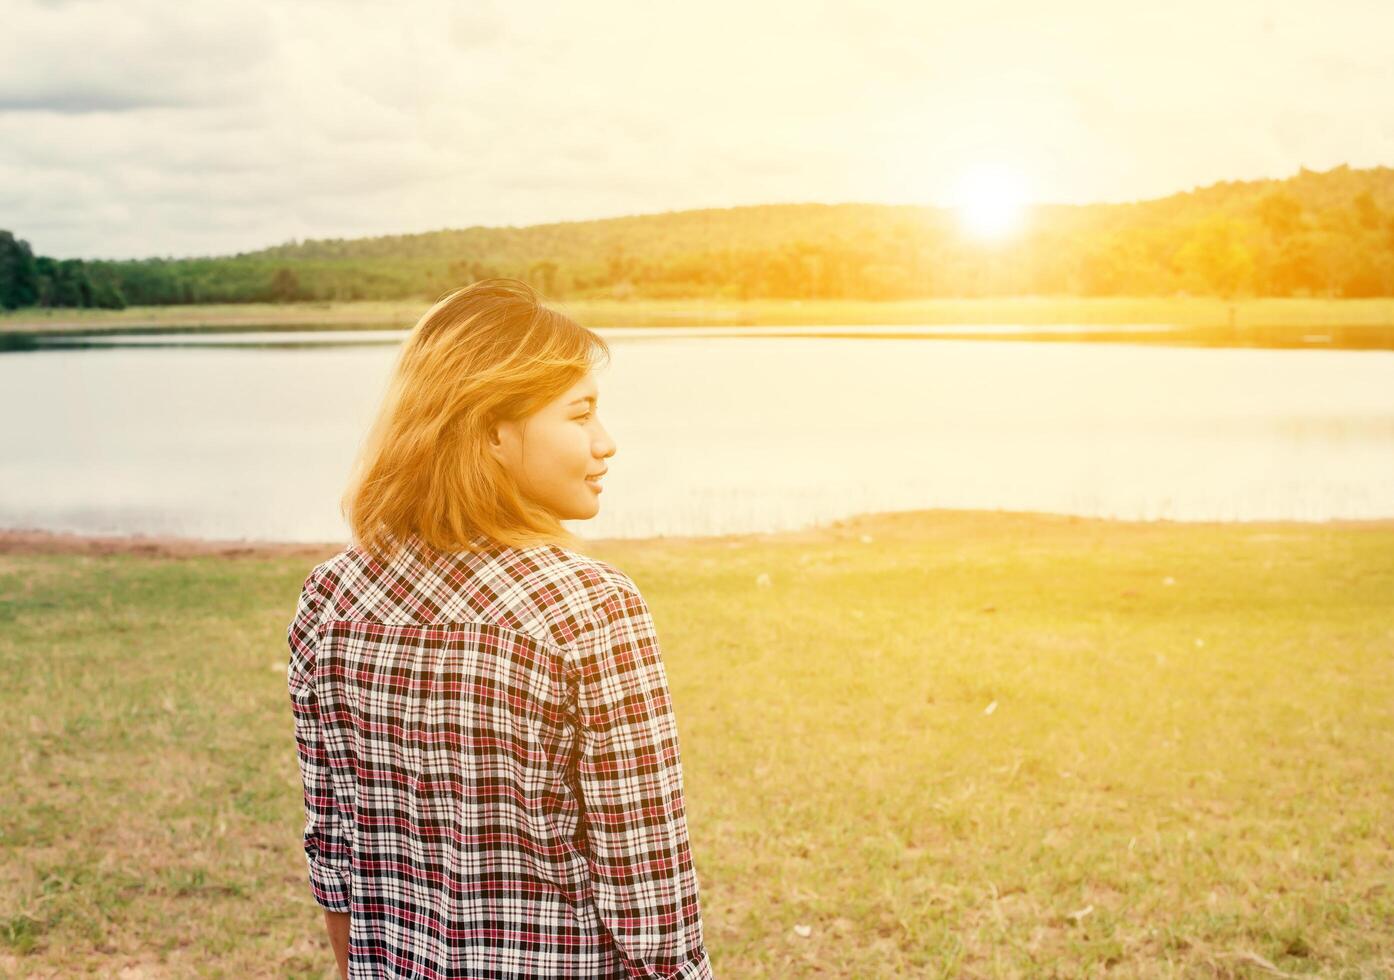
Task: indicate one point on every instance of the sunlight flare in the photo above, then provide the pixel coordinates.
(991, 203)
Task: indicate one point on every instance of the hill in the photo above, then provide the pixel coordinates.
(1325, 234)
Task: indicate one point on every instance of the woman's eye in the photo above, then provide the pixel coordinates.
(583, 418)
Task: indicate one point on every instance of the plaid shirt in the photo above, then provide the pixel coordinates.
(490, 763)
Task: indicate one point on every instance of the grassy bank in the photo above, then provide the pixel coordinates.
(959, 744)
(1195, 312)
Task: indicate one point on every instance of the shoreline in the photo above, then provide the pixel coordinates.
(892, 524)
(1206, 312)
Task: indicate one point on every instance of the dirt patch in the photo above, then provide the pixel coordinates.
(867, 528)
(154, 546)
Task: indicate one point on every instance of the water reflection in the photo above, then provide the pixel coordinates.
(350, 338)
(1331, 337)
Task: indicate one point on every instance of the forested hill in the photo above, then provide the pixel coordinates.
(1315, 234)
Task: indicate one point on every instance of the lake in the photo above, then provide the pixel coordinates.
(727, 430)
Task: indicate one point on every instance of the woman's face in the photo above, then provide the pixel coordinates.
(554, 453)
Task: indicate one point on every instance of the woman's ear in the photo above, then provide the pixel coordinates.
(494, 439)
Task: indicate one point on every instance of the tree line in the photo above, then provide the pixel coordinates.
(1325, 234)
(27, 279)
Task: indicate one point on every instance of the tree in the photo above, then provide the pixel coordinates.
(466, 271)
(1215, 258)
(285, 286)
(71, 286)
(1102, 271)
(544, 275)
(1280, 213)
(1367, 212)
(106, 293)
(18, 273)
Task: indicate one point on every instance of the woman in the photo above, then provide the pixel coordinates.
(490, 759)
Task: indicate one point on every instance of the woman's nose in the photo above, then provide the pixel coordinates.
(605, 445)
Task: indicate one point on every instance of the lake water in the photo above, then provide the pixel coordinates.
(718, 431)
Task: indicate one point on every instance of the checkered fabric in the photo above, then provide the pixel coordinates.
(490, 762)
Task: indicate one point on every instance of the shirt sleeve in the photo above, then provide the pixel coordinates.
(630, 776)
(326, 848)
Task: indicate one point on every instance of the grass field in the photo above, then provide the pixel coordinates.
(934, 744)
(1030, 310)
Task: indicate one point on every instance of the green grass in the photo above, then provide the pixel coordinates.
(1198, 312)
(1186, 771)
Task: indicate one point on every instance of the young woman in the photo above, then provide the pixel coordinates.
(490, 759)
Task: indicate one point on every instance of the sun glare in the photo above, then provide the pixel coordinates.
(991, 203)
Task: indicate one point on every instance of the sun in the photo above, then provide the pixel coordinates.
(991, 203)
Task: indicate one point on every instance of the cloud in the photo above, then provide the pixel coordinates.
(72, 58)
(72, 100)
(158, 127)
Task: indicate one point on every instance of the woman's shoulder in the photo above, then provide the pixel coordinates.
(594, 576)
(550, 591)
(564, 595)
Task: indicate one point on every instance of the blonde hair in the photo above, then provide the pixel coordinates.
(484, 353)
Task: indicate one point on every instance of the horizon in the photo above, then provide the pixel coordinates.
(1026, 206)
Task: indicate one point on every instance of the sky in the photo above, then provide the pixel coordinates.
(149, 127)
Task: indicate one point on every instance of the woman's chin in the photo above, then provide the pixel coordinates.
(585, 510)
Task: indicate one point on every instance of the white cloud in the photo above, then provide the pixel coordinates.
(156, 127)
(71, 58)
